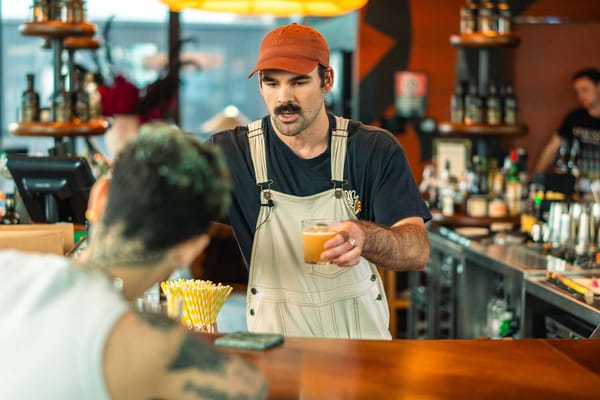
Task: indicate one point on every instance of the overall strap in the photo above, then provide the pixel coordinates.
(256, 140)
(339, 140)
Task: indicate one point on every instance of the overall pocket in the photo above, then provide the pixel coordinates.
(326, 270)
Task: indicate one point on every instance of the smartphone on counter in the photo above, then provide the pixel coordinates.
(249, 340)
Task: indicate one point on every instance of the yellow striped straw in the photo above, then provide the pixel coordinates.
(194, 302)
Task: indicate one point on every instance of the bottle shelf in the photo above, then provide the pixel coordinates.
(96, 126)
(81, 43)
(450, 128)
(462, 220)
(485, 40)
(57, 29)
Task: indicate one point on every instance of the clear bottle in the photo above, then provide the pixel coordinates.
(473, 106)
(510, 105)
(562, 162)
(457, 105)
(58, 10)
(468, 18)
(504, 17)
(91, 88)
(483, 176)
(40, 10)
(574, 155)
(30, 102)
(11, 217)
(446, 190)
(496, 308)
(487, 21)
(493, 106)
(61, 103)
(80, 99)
(2, 204)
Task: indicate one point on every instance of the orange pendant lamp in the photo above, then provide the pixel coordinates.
(278, 8)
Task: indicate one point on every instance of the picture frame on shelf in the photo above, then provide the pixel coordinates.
(457, 151)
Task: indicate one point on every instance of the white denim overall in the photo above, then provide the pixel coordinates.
(287, 295)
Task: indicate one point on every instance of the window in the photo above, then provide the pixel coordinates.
(224, 45)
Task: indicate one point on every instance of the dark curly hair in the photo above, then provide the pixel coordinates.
(166, 187)
(590, 73)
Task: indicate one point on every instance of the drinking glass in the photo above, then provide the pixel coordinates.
(315, 232)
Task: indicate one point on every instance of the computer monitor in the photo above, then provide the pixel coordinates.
(53, 189)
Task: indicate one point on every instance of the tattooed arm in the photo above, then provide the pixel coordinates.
(148, 356)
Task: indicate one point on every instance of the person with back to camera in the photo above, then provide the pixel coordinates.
(300, 162)
(69, 333)
(582, 124)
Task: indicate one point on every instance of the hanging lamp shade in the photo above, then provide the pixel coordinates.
(278, 8)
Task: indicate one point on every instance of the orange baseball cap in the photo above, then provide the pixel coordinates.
(294, 48)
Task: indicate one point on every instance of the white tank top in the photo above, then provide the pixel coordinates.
(54, 323)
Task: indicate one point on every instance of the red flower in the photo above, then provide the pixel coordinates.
(120, 98)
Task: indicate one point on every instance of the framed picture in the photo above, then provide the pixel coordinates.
(456, 152)
(410, 94)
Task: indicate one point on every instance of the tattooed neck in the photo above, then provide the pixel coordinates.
(108, 249)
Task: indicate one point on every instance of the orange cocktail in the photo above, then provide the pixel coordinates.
(314, 235)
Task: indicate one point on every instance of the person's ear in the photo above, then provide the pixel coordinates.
(97, 199)
(328, 81)
(260, 76)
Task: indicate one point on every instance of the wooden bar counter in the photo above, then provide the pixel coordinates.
(304, 368)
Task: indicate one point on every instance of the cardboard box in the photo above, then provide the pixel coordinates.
(66, 232)
(41, 241)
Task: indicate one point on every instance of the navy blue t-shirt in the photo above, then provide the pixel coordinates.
(580, 124)
(381, 187)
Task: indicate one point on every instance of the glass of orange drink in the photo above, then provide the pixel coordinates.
(315, 232)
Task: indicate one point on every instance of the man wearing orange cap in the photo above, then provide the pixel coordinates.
(301, 162)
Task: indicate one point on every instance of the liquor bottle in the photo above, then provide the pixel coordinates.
(493, 113)
(473, 175)
(30, 102)
(58, 10)
(446, 190)
(11, 217)
(91, 87)
(562, 162)
(457, 105)
(40, 10)
(574, 154)
(512, 184)
(80, 99)
(468, 18)
(61, 103)
(473, 106)
(510, 105)
(495, 179)
(504, 17)
(487, 21)
(2, 204)
(483, 176)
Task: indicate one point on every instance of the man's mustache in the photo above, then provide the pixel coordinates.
(288, 107)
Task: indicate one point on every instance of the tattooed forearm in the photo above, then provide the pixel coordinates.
(161, 322)
(205, 392)
(193, 353)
